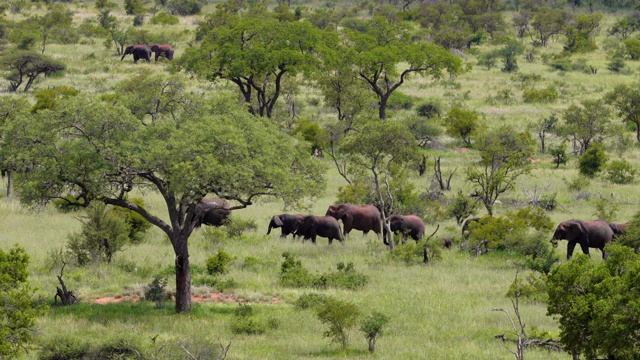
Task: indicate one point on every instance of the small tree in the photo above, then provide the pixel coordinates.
(543, 127)
(559, 154)
(372, 326)
(620, 171)
(462, 123)
(157, 291)
(341, 316)
(461, 207)
(29, 65)
(593, 160)
(18, 311)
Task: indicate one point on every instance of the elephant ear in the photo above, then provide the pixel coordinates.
(277, 221)
(583, 231)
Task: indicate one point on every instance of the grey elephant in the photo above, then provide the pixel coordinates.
(407, 225)
(323, 226)
(139, 51)
(162, 50)
(287, 222)
(589, 234)
(212, 211)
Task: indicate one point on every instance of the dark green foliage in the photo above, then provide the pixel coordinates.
(430, 109)
(616, 64)
(18, 312)
(62, 347)
(138, 20)
(218, 263)
(340, 316)
(559, 154)
(619, 171)
(184, 7)
(157, 291)
(632, 47)
(539, 254)
(372, 326)
(547, 95)
(121, 347)
(313, 133)
(254, 263)
(596, 304)
(101, 236)
(309, 301)
(424, 129)
(138, 225)
(293, 274)
(509, 54)
(244, 322)
(133, 7)
(592, 161)
(631, 237)
(461, 207)
(66, 204)
(560, 63)
(462, 123)
(162, 18)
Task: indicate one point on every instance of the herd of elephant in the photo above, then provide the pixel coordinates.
(143, 51)
(588, 234)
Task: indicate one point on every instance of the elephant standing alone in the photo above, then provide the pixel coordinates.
(323, 226)
(595, 234)
(288, 223)
(364, 218)
(139, 51)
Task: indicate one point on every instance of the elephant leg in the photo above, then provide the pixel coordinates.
(585, 248)
(570, 248)
(604, 254)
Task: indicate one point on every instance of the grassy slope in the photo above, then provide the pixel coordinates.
(439, 311)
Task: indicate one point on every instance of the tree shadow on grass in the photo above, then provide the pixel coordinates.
(134, 311)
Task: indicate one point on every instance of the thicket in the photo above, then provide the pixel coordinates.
(294, 274)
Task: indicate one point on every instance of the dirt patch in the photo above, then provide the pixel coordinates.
(462, 150)
(216, 297)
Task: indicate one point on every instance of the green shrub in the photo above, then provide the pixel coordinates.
(138, 225)
(292, 273)
(254, 263)
(64, 347)
(559, 154)
(547, 95)
(430, 109)
(534, 288)
(236, 227)
(400, 101)
(605, 210)
(345, 277)
(217, 264)
(163, 18)
(632, 47)
(313, 133)
(372, 326)
(309, 301)
(340, 316)
(184, 7)
(619, 171)
(461, 207)
(592, 161)
(561, 63)
(101, 236)
(616, 64)
(409, 253)
(243, 322)
(121, 347)
(157, 291)
(578, 183)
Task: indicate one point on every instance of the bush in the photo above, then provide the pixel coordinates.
(619, 171)
(184, 7)
(372, 326)
(163, 18)
(156, 291)
(345, 278)
(236, 227)
(430, 109)
(341, 316)
(101, 236)
(62, 347)
(559, 154)
(461, 207)
(616, 64)
(244, 323)
(217, 264)
(548, 95)
(578, 183)
(400, 101)
(605, 210)
(122, 347)
(592, 161)
(533, 288)
(309, 301)
(632, 47)
(292, 273)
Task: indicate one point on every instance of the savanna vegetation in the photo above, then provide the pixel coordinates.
(520, 113)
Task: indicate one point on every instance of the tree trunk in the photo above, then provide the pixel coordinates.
(8, 172)
(382, 111)
(183, 275)
(638, 131)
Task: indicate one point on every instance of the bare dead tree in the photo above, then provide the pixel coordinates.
(518, 328)
(67, 297)
(224, 350)
(444, 185)
(425, 252)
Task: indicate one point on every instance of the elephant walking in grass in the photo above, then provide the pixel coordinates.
(364, 218)
(323, 226)
(407, 225)
(139, 51)
(287, 222)
(162, 50)
(589, 234)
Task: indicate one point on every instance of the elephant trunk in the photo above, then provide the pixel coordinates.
(123, 55)
(270, 227)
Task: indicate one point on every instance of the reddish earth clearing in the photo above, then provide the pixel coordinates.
(216, 297)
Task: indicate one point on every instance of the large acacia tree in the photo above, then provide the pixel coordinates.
(256, 54)
(96, 150)
(383, 47)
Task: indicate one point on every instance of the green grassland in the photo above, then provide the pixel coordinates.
(442, 310)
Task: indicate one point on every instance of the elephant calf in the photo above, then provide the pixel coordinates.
(139, 51)
(288, 223)
(407, 225)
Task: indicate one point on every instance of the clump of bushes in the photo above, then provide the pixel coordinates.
(620, 171)
(547, 95)
(400, 101)
(244, 322)
(592, 161)
(218, 263)
(157, 291)
(164, 19)
(293, 274)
